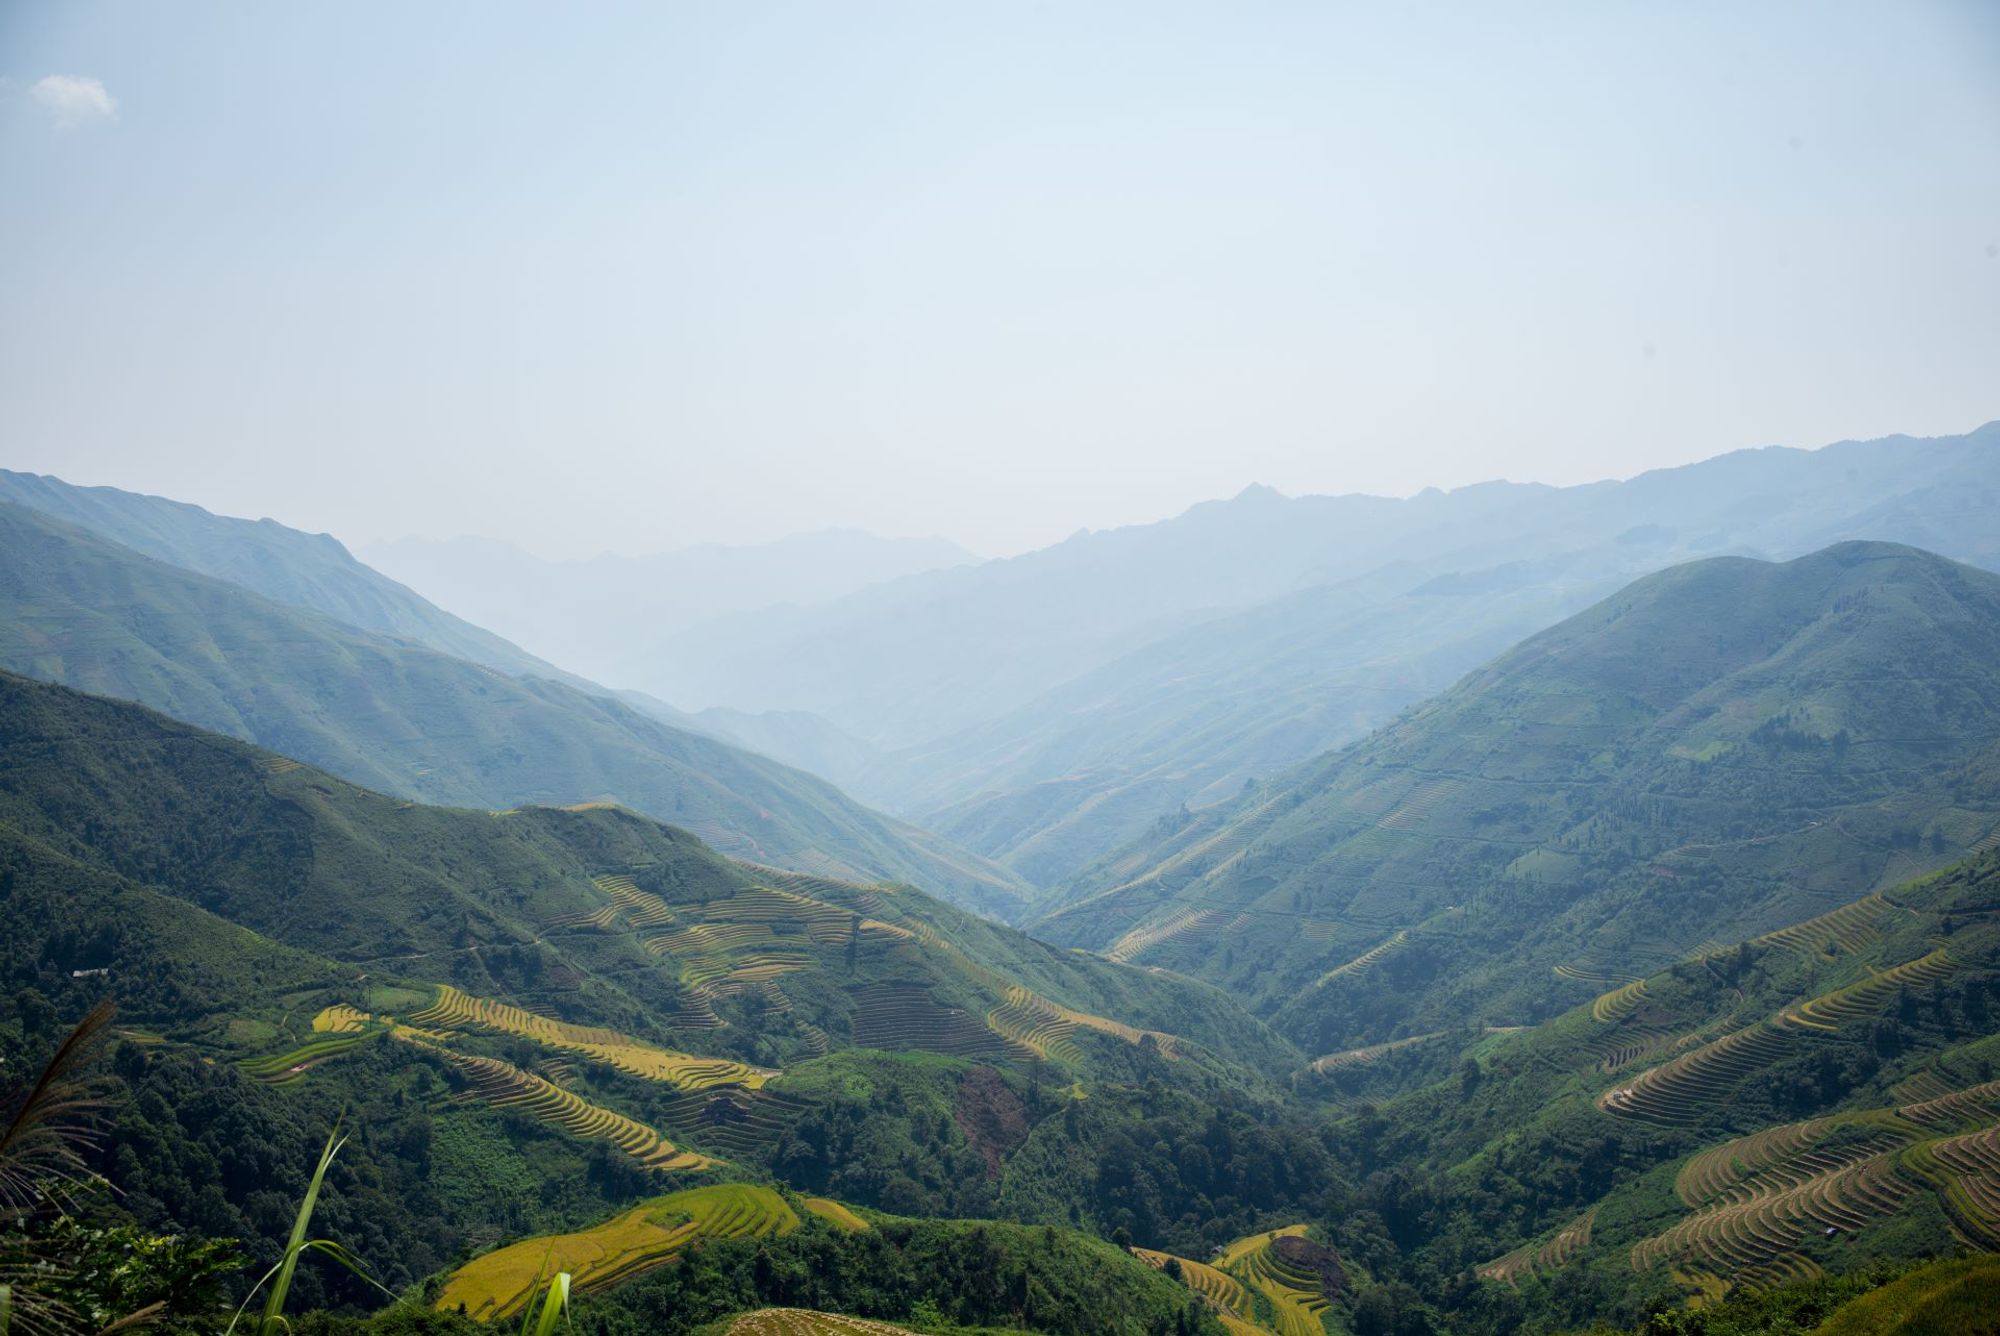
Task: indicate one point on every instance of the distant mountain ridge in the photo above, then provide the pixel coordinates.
(1383, 603)
(311, 571)
(407, 719)
(1715, 749)
(614, 617)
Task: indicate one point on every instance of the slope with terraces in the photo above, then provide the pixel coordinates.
(1715, 752)
(1808, 1101)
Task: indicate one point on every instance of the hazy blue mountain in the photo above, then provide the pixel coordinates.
(301, 570)
(88, 613)
(1388, 618)
(1717, 749)
(1188, 720)
(793, 736)
(614, 618)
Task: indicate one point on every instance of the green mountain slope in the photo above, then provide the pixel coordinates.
(308, 571)
(355, 876)
(1813, 1101)
(88, 613)
(541, 1014)
(1192, 717)
(1719, 748)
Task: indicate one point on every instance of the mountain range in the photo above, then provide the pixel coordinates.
(392, 712)
(1715, 750)
(1045, 709)
(1631, 957)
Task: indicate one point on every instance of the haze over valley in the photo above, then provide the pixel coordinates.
(909, 670)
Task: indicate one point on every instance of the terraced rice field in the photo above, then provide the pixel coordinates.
(804, 1322)
(342, 1019)
(1858, 1000)
(1685, 1089)
(1222, 1292)
(1619, 1003)
(1781, 1158)
(1572, 1239)
(499, 1284)
(1295, 1298)
(1757, 1197)
(1356, 1057)
(1179, 924)
(641, 909)
(1629, 1044)
(284, 1068)
(605, 917)
(1966, 1171)
(506, 1086)
(1048, 1029)
(740, 944)
(1764, 1224)
(862, 896)
(1418, 805)
(1950, 1108)
(1784, 1269)
(1366, 960)
(455, 1010)
(1852, 928)
(731, 1119)
(1594, 972)
(1709, 1174)
(835, 1214)
(1923, 1085)
(896, 1016)
(789, 911)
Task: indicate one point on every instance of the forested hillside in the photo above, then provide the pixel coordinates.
(409, 720)
(1716, 750)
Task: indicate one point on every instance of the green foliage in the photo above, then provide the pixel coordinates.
(279, 1278)
(111, 1272)
(923, 1272)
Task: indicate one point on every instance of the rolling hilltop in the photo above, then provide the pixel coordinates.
(1716, 750)
(407, 719)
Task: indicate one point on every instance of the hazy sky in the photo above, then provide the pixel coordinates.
(591, 277)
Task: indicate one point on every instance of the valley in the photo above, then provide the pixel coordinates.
(1649, 965)
(913, 669)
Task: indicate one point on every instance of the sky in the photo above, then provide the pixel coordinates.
(597, 278)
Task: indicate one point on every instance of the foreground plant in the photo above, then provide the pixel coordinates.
(279, 1278)
(58, 1122)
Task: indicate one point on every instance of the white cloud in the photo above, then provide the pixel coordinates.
(74, 100)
